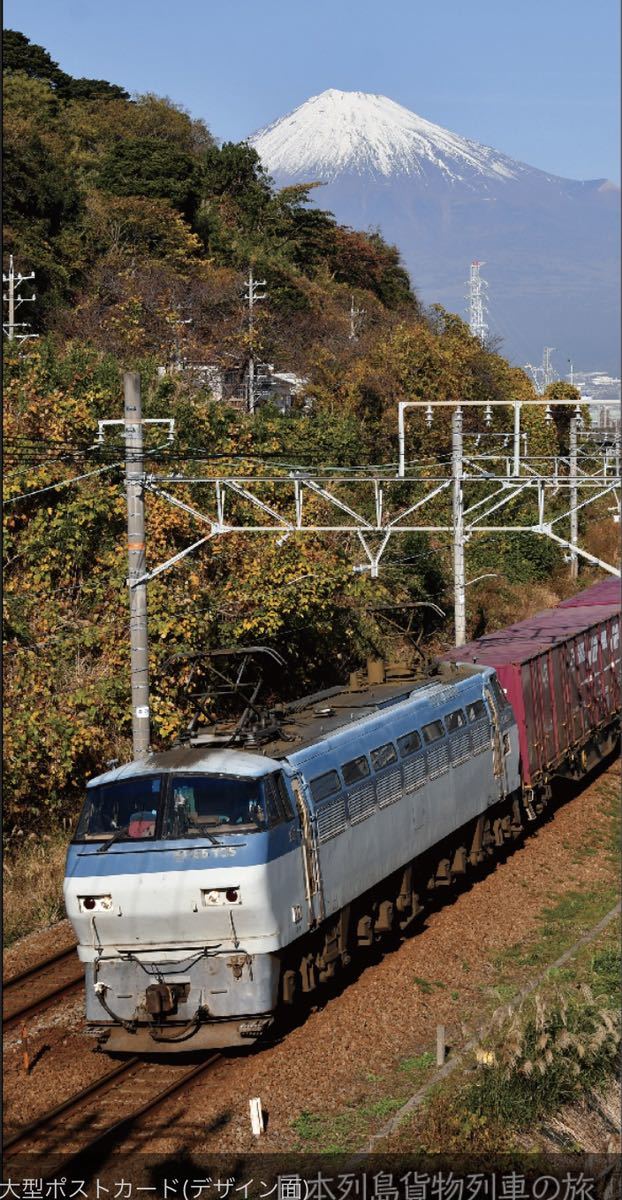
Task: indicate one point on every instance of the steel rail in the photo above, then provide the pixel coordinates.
(131, 1068)
(100, 1086)
(36, 974)
(15, 980)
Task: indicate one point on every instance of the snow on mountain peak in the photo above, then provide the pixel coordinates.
(360, 133)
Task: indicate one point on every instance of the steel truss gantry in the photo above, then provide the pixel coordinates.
(460, 499)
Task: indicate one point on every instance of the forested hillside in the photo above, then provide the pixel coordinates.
(141, 229)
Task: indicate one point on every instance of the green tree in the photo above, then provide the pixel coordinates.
(91, 89)
(20, 54)
(153, 168)
(560, 390)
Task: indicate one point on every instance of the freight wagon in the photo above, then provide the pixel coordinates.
(560, 672)
(605, 592)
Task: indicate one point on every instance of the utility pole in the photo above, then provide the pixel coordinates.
(252, 297)
(13, 301)
(136, 560)
(574, 516)
(517, 408)
(458, 520)
(356, 315)
(477, 305)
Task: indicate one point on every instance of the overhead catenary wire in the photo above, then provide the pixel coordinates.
(52, 487)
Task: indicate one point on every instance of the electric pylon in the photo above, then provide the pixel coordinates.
(477, 303)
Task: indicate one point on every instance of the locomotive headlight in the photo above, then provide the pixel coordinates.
(212, 896)
(93, 904)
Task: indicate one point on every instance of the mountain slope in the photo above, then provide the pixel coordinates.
(364, 134)
(551, 245)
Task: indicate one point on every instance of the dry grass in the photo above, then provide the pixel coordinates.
(602, 538)
(497, 603)
(33, 871)
(552, 1050)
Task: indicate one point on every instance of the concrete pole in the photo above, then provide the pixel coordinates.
(11, 333)
(458, 515)
(139, 646)
(251, 341)
(517, 409)
(401, 440)
(574, 516)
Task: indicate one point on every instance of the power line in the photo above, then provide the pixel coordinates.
(62, 483)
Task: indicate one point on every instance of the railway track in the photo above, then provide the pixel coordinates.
(36, 989)
(101, 1114)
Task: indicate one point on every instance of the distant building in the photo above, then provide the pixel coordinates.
(594, 385)
(229, 385)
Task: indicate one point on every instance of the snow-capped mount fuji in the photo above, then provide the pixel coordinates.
(551, 245)
(363, 134)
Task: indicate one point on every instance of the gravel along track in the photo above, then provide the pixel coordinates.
(41, 985)
(101, 1114)
(349, 1058)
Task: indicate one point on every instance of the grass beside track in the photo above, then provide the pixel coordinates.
(563, 1040)
(32, 885)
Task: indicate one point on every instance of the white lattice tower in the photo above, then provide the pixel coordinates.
(477, 304)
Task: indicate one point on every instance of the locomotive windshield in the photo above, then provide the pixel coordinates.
(127, 809)
(181, 806)
(201, 804)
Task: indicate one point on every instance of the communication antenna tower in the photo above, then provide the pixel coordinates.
(477, 303)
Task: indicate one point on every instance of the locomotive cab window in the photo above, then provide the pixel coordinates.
(433, 732)
(476, 711)
(125, 810)
(409, 743)
(455, 721)
(284, 800)
(384, 756)
(325, 785)
(355, 770)
(201, 804)
(278, 807)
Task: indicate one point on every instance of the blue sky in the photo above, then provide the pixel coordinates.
(538, 79)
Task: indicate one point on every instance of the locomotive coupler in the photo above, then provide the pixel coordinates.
(161, 999)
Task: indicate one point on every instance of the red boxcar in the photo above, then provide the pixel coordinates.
(605, 592)
(559, 670)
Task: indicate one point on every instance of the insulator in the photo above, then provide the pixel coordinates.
(548, 415)
(428, 415)
(488, 414)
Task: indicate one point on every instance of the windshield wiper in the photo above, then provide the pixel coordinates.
(116, 837)
(190, 824)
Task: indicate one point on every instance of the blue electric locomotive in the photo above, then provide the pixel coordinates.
(210, 885)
